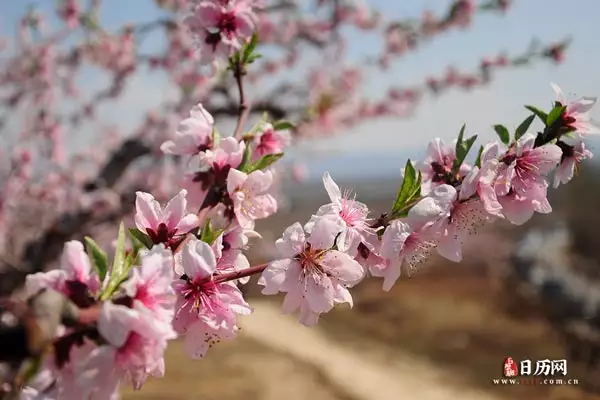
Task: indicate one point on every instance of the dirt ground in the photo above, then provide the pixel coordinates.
(441, 334)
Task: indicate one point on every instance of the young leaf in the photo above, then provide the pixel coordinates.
(282, 125)
(460, 137)
(119, 260)
(461, 153)
(413, 195)
(502, 132)
(410, 185)
(264, 162)
(478, 160)
(246, 159)
(209, 234)
(250, 47)
(98, 257)
(522, 129)
(540, 114)
(119, 269)
(555, 114)
(141, 237)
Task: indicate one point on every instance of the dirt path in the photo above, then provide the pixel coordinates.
(354, 371)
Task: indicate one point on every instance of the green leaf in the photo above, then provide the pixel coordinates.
(460, 138)
(119, 269)
(522, 129)
(141, 238)
(478, 160)
(462, 151)
(264, 162)
(253, 58)
(246, 159)
(540, 114)
(250, 47)
(119, 260)
(282, 125)
(555, 114)
(216, 138)
(209, 234)
(410, 189)
(98, 257)
(502, 132)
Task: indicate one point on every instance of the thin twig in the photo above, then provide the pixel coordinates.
(244, 108)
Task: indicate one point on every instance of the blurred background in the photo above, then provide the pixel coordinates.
(522, 292)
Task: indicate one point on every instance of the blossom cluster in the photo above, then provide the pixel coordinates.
(182, 273)
(178, 271)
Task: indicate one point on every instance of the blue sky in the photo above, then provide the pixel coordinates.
(380, 147)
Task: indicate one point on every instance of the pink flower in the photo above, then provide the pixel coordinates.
(573, 153)
(168, 225)
(314, 277)
(577, 116)
(482, 181)
(411, 240)
(229, 248)
(69, 11)
(525, 167)
(229, 153)
(353, 216)
(368, 255)
(462, 215)
(139, 357)
(249, 195)
(194, 134)
(518, 209)
(270, 141)
(137, 329)
(149, 285)
(436, 168)
(75, 279)
(206, 308)
(220, 23)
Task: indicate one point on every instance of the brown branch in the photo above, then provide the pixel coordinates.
(243, 108)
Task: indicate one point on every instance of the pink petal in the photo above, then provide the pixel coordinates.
(333, 190)
(174, 210)
(115, 323)
(292, 241)
(449, 245)
(198, 259)
(516, 210)
(273, 277)
(307, 316)
(391, 274)
(319, 293)
(147, 211)
(545, 158)
(325, 230)
(187, 223)
(292, 301)
(75, 261)
(43, 280)
(560, 97)
(235, 180)
(564, 173)
(209, 14)
(259, 182)
(343, 267)
(244, 24)
(195, 344)
(525, 143)
(200, 113)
